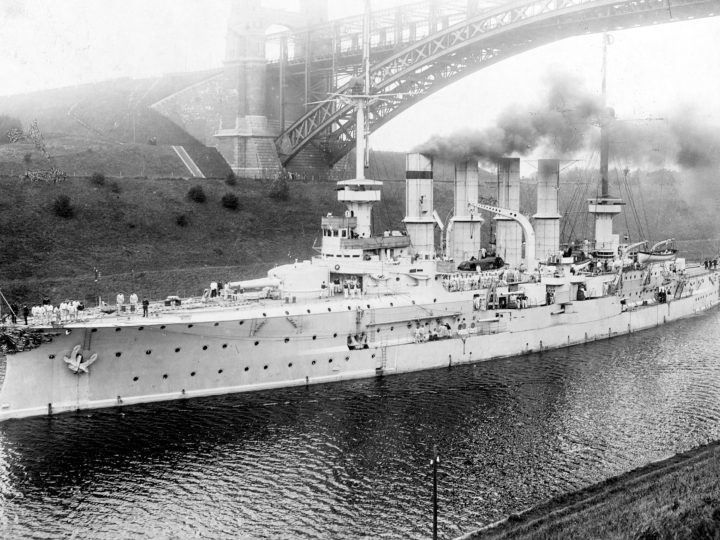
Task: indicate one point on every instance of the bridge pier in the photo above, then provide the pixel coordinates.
(244, 138)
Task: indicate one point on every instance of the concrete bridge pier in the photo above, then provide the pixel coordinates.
(244, 138)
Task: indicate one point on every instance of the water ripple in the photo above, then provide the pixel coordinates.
(352, 460)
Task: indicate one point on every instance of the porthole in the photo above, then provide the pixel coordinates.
(335, 334)
(118, 329)
(162, 327)
(368, 306)
(287, 339)
(224, 345)
(141, 328)
(246, 368)
(314, 338)
(287, 313)
(349, 308)
(434, 300)
(265, 366)
(329, 360)
(347, 358)
(329, 309)
(413, 302)
(177, 349)
(290, 364)
(372, 355)
(216, 324)
(392, 328)
(397, 279)
(240, 322)
(308, 311)
(165, 376)
(94, 330)
(192, 373)
(51, 357)
(204, 347)
(264, 314)
(190, 325)
(220, 371)
(257, 343)
(148, 351)
(391, 304)
(313, 362)
(378, 330)
(135, 379)
(118, 354)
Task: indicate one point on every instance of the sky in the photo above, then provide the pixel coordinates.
(652, 71)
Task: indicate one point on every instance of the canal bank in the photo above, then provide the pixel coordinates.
(678, 497)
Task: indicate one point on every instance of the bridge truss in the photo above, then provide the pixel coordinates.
(455, 50)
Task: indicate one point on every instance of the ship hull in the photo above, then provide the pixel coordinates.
(160, 362)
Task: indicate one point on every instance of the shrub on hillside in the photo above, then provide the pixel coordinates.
(197, 194)
(231, 179)
(62, 207)
(98, 179)
(182, 220)
(280, 187)
(8, 124)
(230, 201)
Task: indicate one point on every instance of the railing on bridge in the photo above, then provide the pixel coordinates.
(390, 28)
(428, 45)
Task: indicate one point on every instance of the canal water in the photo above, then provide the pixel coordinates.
(352, 460)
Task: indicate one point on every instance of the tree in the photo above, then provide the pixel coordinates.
(230, 201)
(62, 207)
(197, 194)
(280, 187)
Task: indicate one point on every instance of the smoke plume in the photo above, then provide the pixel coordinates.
(559, 123)
(567, 121)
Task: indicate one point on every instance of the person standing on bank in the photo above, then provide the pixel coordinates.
(145, 305)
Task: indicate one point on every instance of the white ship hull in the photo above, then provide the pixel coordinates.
(210, 352)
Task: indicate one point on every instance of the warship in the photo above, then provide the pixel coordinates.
(371, 305)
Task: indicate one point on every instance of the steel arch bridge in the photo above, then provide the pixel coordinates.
(429, 64)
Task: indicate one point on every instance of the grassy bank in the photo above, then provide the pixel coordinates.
(130, 230)
(675, 498)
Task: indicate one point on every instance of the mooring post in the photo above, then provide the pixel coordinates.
(435, 461)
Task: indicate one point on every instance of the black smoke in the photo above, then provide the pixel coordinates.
(566, 121)
(560, 123)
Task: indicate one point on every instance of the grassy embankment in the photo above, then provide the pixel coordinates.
(128, 229)
(675, 498)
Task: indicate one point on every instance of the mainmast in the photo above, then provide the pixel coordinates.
(605, 119)
(605, 207)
